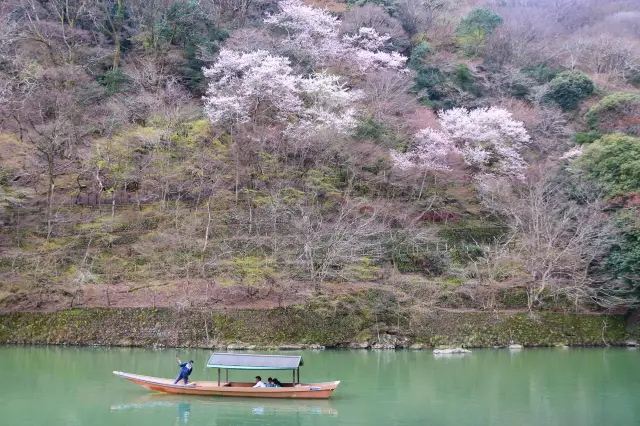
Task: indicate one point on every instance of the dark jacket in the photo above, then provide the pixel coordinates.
(186, 369)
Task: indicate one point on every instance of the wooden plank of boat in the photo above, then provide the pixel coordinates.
(306, 390)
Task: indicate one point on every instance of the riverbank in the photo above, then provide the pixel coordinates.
(310, 326)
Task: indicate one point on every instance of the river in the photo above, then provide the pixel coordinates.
(58, 386)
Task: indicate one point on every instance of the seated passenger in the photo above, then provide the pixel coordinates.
(276, 383)
(270, 383)
(259, 383)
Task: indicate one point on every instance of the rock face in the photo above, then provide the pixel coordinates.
(391, 341)
(451, 351)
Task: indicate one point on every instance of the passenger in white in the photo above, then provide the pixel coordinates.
(259, 383)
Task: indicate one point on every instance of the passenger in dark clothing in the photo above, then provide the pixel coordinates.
(187, 368)
(277, 383)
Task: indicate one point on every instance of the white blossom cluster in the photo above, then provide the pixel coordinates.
(488, 139)
(247, 85)
(317, 32)
(430, 151)
(261, 85)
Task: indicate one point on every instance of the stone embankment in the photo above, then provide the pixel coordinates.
(310, 327)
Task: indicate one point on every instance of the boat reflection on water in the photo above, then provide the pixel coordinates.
(184, 412)
(252, 405)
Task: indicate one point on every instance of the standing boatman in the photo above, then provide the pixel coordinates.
(187, 368)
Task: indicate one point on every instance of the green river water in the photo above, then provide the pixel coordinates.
(74, 386)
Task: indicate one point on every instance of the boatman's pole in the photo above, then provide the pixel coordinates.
(218, 377)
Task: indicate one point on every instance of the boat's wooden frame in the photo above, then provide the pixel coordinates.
(238, 389)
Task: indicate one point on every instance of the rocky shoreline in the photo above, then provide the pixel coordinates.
(312, 327)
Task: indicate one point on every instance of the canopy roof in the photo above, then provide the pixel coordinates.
(254, 362)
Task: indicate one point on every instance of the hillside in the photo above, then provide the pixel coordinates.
(253, 153)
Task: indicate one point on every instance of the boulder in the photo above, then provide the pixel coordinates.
(451, 351)
(515, 346)
(359, 345)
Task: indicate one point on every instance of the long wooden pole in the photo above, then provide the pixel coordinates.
(218, 377)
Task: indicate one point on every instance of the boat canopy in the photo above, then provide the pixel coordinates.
(254, 362)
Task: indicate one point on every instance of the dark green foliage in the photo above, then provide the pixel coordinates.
(634, 78)
(466, 253)
(613, 161)
(370, 129)
(115, 81)
(568, 88)
(624, 259)
(479, 19)
(541, 73)
(472, 234)
(439, 89)
(464, 79)
(5, 175)
(426, 263)
(582, 138)
(618, 112)
(186, 26)
(418, 55)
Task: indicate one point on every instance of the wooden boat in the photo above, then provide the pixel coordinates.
(226, 361)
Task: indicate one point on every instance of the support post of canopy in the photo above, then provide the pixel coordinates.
(294, 378)
(218, 377)
(298, 375)
(227, 376)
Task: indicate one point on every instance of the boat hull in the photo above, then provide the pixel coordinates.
(300, 391)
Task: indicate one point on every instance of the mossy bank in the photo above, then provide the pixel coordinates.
(307, 326)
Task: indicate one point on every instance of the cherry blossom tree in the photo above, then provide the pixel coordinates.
(248, 86)
(367, 48)
(260, 87)
(430, 151)
(488, 139)
(316, 33)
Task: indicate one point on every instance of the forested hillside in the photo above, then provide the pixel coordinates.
(433, 153)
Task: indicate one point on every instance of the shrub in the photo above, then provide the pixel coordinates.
(614, 161)
(115, 81)
(582, 138)
(464, 79)
(418, 55)
(463, 254)
(541, 73)
(568, 88)
(426, 263)
(618, 112)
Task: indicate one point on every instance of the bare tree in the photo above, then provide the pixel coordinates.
(329, 242)
(559, 232)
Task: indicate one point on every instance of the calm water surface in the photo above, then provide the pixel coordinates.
(74, 386)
